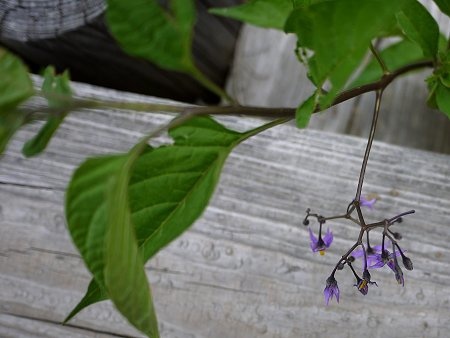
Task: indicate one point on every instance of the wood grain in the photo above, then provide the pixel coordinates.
(24, 20)
(267, 73)
(245, 268)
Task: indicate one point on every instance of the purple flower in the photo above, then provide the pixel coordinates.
(320, 244)
(371, 253)
(331, 290)
(363, 284)
(366, 203)
(378, 260)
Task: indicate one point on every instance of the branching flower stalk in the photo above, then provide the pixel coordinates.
(372, 257)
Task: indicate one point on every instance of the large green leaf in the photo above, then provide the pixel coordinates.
(15, 83)
(395, 56)
(444, 6)
(145, 29)
(338, 33)
(419, 26)
(56, 88)
(168, 190)
(15, 87)
(263, 13)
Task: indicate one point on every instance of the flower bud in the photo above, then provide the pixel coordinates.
(398, 235)
(407, 263)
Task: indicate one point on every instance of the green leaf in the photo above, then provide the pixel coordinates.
(444, 6)
(15, 84)
(420, 27)
(169, 188)
(145, 29)
(305, 110)
(263, 13)
(93, 295)
(15, 87)
(394, 56)
(10, 122)
(56, 89)
(301, 3)
(189, 170)
(104, 234)
(443, 98)
(305, 3)
(125, 278)
(338, 33)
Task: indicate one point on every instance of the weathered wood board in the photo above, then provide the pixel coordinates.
(266, 73)
(245, 268)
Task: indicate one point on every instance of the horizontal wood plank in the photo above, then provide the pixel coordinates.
(245, 268)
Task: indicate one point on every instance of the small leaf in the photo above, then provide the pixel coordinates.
(443, 98)
(263, 13)
(444, 6)
(304, 111)
(325, 28)
(432, 83)
(56, 88)
(15, 84)
(144, 29)
(15, 87)
(10, 122)
(420, 27)
(395, 56)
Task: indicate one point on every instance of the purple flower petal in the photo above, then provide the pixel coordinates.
(366, 203)
(360, 253)
(314, 240)
(378, 264)
(331, 290)
(391, 264)
(328, 238)
(312, 237)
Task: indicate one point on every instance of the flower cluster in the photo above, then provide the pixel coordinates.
(372, 257)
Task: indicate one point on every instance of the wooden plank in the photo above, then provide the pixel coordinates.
(245, 268)
(267, 73)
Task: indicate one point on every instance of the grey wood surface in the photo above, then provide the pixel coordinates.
(266, 72)
(245, 268)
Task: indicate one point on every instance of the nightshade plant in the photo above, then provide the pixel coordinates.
(142, 200)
